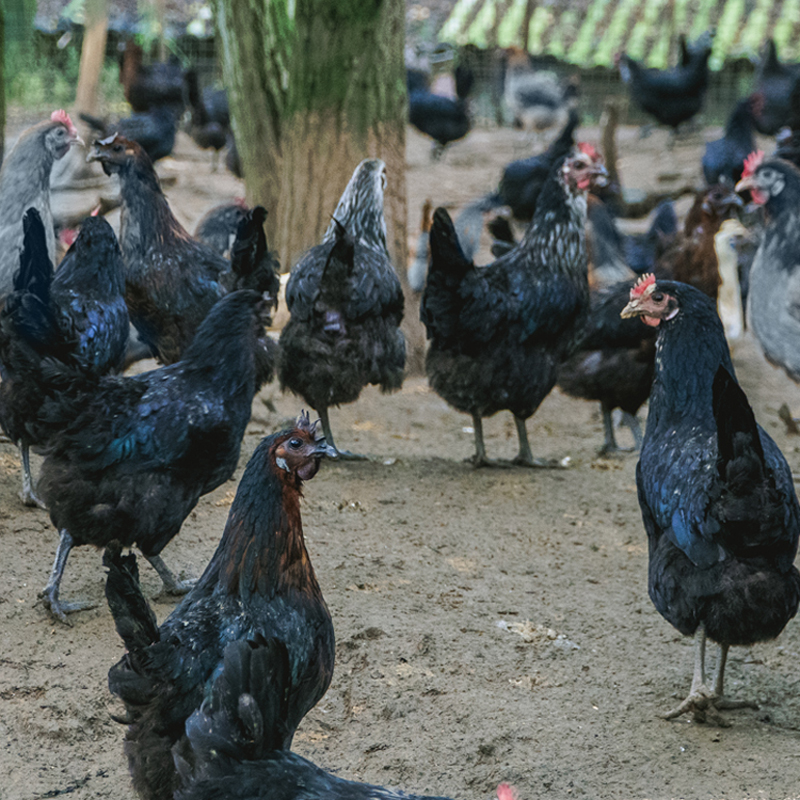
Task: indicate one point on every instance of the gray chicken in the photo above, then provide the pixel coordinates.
(25, 183)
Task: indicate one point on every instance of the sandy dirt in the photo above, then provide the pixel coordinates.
(491, 625)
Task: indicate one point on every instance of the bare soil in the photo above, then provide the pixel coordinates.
(491, 625)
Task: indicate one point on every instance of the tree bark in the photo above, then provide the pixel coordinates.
(93, 50)
(315, 86)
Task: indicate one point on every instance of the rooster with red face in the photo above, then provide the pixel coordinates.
(716, 494)
(498, 333)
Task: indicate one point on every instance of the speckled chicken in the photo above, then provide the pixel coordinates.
(346, 305)
(76, 315)
(259, 584)
(171, 279)
(716, 494)
(25, 183)
(498, 333)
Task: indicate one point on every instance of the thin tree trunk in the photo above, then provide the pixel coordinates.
(93, 52)
(315, 87)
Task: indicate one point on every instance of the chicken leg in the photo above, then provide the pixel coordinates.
(326, 430)
(525, 457)
(610, 445)
(28, 496)
(704, 703)
(171, 584)
(50, 592)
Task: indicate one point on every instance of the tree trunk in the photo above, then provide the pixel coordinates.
(93, 50)
(315, 87)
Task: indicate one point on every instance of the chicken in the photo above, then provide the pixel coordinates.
(775, 84)
(217, 228)
(171, 280)
(723, 158)
(444, 119)
(522, 181)
(129, 457)
(259, 584)
(691, 258)
(76, 314)
(154, 130)
(537, 100)
(672, 96)
(149, 85)
(641, 251)
(729, 298)
(717, 498)
(235, 739)
(773, 297)
(25, 183)
(614, 363)
(607, 265)
(208, 129)
(346, 305)
(498, 333)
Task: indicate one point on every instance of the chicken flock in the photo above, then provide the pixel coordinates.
(214, 695)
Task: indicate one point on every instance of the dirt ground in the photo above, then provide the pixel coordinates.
(491, 625)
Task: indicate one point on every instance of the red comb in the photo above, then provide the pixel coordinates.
(588, 150)
(642, 284)
(506, 791)
(752, 163)
(62, 117)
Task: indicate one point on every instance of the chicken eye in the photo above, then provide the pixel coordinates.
(657, 297)
(295, 443)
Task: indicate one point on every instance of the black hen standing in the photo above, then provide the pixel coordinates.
(259, 584)
(154, 130)
(716, 493)
(346, 304)
(171, 280)
(76, 315)
(129, 457)
(498, 333)
(775, 85)
(236, 739)
(724, 158)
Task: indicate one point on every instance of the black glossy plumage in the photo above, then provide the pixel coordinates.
(129, 457)
(210, 120)
(615, 360)
(76, 315)
(235, 739)
(154, 130)
(217, 227)
(776, 83)
(259, 584)
(171, 279)
(254, 266)
(498, 333)
(522, 181)
(716, 493)
(346, 304)
(672, 96)
(724, 158)
(641, 251)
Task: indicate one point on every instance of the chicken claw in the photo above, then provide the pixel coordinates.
(172, 585)
(49, 598)
(705, 705)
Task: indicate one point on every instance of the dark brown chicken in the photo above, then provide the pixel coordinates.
(171, 279)
(259, 585)
(692, 258)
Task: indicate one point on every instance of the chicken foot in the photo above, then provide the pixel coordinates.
(49, 594)
(346, 455)
(525, 457)
(171, 584)
(27, 495)
(479, 459)
(704, 703)
(610, 445)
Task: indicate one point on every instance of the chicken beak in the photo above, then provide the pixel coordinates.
(600, 175)
(93, 155)
(744, 184)
(633, 309)
(76, 139)
(324, 450)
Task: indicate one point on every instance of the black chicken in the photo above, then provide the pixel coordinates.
(498, 333)
(259, 583)
(717, 497)
(128, 458)
(346, 304)
(775, 86)
(171, 280)
(236, 739)
(154, 130)
(614, 363)
(76, 315)
(217, 227)
(643, 249)
(444, 119)
(209, 125)
(671, 96)
(146, 86)
(724, 158)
